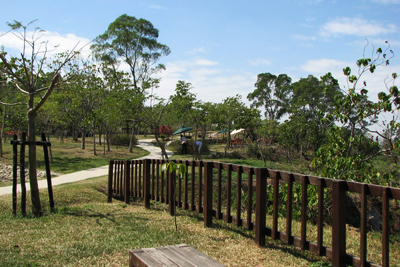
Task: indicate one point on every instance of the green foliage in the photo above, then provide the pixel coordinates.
(344, 157)
(172, 166)
(351, 147)
(135, 42)
(121, 139)
(272, 93)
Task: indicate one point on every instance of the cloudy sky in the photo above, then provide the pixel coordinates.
(220, 46)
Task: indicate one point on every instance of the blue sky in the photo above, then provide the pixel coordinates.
(220, 46)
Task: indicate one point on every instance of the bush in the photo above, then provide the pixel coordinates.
(255, 151)
(121, 139)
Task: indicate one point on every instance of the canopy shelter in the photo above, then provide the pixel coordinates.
(182, 129)
(219, 132)
(237, 131)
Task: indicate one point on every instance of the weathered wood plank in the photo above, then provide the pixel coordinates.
(173, 256)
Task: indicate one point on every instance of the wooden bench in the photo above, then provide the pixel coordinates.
(179, 255)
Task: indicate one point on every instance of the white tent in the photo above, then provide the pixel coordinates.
(237, 131)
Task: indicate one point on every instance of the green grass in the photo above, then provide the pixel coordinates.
(87, 231)
(68, 156)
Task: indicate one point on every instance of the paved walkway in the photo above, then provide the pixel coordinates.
(155, 153)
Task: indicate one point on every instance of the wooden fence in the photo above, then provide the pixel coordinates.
(256, 197)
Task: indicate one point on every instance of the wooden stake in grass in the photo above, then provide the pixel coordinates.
(173, 167)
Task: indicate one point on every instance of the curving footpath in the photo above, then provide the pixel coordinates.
(155, 153)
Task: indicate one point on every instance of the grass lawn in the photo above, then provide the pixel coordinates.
(68, 156)
(87, 231)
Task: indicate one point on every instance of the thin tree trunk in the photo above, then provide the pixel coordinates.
(3, 123)
(132, 140)
(35, 197)
(94, 142)
(83, 144)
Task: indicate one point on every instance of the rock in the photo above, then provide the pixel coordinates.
(6, 173)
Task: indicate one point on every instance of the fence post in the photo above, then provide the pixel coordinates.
(15, 170)
(339, 223)
(261, 189)
(110, 181)
(22, 174)
(146, 183)
(171, 192)
(208, 189)
(48, 172)
(127, 179)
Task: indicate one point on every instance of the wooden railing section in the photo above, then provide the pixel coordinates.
(241, 195)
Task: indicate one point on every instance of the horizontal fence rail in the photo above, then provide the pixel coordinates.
(263, 200)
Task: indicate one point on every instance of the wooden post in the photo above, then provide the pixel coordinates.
(127, 179)
(261, 203)
(304, 205)
(22, 174)
(385, 226)
(48, 173)
(274, 236)
(208, 190)
(339, 223)
(289, 208)
(146, 183)
(320, 230)
(363, 225)
(171, 192)
(15, 170)
(110, 181)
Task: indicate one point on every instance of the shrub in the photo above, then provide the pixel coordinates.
(121, 139)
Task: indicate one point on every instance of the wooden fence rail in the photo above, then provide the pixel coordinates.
(254, 197)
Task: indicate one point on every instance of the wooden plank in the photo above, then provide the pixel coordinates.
(172, 256)
(202, 258)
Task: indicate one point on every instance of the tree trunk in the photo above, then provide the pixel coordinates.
(94, 143)
(132, 140)
(35, 197)
(83, 132)
(3, 124)
(162, 146)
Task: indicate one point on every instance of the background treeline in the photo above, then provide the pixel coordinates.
(112, 96)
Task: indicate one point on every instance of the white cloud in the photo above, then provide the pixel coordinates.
(323, 65)
(210, 83)
(356, 26)
(304, 37)
(204, 62)
(375, 81)
(196, 51)
(157, 7)
(52, 41)
(386, 1)
(259, 62)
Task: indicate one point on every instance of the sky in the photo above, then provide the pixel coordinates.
(220, 46)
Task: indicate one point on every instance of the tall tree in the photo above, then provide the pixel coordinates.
(134, 42)
(29, 76)
(272, 92)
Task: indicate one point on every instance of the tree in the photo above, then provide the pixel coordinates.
(34, 76)
(232, 114)
(134, 42)
(311, 99)
(353, 141)
(154, 113)
(272, 92)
